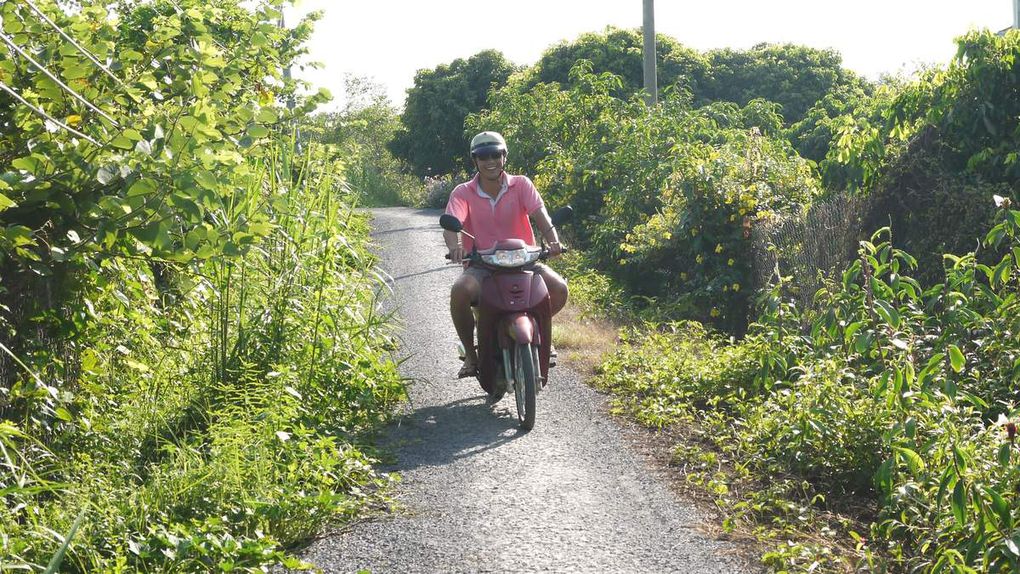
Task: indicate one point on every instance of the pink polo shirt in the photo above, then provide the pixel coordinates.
(490, 220)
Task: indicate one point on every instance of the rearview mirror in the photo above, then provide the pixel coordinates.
(450, 223)
(562, 215)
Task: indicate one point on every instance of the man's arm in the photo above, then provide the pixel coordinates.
(453, 244)
(545, 227)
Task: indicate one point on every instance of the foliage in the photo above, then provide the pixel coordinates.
(813, 135)
(889, 395)
(938, 149)
(664, 190)
(620, 52)
(795, 77)
(969, 109)
(187, 389)
(431, 138)
(357, 135)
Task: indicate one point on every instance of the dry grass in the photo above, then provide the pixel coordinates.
(583, 341)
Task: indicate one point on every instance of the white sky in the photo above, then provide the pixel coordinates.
(389, 40)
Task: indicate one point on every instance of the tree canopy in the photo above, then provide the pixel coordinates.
(796, 77)
(620, 52)
(431, 137)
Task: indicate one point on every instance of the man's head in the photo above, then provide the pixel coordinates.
(488, 153)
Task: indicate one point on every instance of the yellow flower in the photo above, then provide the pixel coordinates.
(730, 262)
(700, 258)
(73, 120)
(714, 312)
(736, 286)
(718, 248)
(683, 276)
(694, 231)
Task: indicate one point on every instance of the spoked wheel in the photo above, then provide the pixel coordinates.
(525, 383)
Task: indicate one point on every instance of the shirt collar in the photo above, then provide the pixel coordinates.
(504, 186)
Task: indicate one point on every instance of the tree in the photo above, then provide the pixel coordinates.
(793, 76)
(619, 52)
(431, 138)
(357, 136)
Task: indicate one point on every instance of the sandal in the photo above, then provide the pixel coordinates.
(467, 370)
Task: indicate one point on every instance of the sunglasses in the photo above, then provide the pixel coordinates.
(489, 156)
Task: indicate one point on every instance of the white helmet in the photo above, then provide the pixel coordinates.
(487, 142)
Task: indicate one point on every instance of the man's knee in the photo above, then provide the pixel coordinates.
(464, 290)
(556, 284)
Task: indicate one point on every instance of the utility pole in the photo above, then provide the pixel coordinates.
(652, 96)
(1016, 14)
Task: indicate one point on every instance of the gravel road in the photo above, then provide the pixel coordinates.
(479, 495)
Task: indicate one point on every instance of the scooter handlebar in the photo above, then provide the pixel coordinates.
(543, 256)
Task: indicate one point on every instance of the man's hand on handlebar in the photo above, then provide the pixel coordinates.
(456, 255)
(555, 249)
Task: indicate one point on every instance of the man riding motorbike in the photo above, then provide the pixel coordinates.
(494, 205)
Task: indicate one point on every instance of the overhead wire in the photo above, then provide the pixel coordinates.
(45, 115)
(53, 77)
(73, 42)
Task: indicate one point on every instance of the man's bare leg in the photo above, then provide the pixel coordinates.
(465, 290)
(557, 287)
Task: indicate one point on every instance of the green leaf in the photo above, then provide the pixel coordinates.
(76, 71)
(888, 313)
(267, 116)
(19, 235)
(6, 202)
(122, 142)
(143, 186)
(883, 476)
(28, 163)
(1001, 508)
(956, 358)
(130, 56)
(914, 461)
(959, 459)
(995, 234)
(258, 131)
(852, 328)
(960, 503)
(1004, 453)
(54, 565)
(1002, 271)
(206, 179)
(863, 342)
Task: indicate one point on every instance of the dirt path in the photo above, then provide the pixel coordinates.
(477, 494)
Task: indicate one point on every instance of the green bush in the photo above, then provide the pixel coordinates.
(191, 394)
(888, 397)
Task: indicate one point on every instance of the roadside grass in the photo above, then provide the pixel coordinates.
(217, 417)
(583, 340)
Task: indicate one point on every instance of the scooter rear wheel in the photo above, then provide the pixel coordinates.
(525, 383)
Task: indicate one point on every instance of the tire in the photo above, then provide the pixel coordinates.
(525, 383)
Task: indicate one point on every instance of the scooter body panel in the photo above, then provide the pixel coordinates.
(514, 304)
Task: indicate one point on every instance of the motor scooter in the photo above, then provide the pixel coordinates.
(513, 321)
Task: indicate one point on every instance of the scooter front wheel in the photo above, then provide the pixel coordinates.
(525, 383)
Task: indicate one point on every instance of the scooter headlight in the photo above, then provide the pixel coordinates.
(511, 257)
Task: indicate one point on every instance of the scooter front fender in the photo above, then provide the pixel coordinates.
(521, 328)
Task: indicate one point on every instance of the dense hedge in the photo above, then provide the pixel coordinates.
(191, 348)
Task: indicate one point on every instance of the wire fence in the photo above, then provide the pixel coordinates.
(807, 248)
